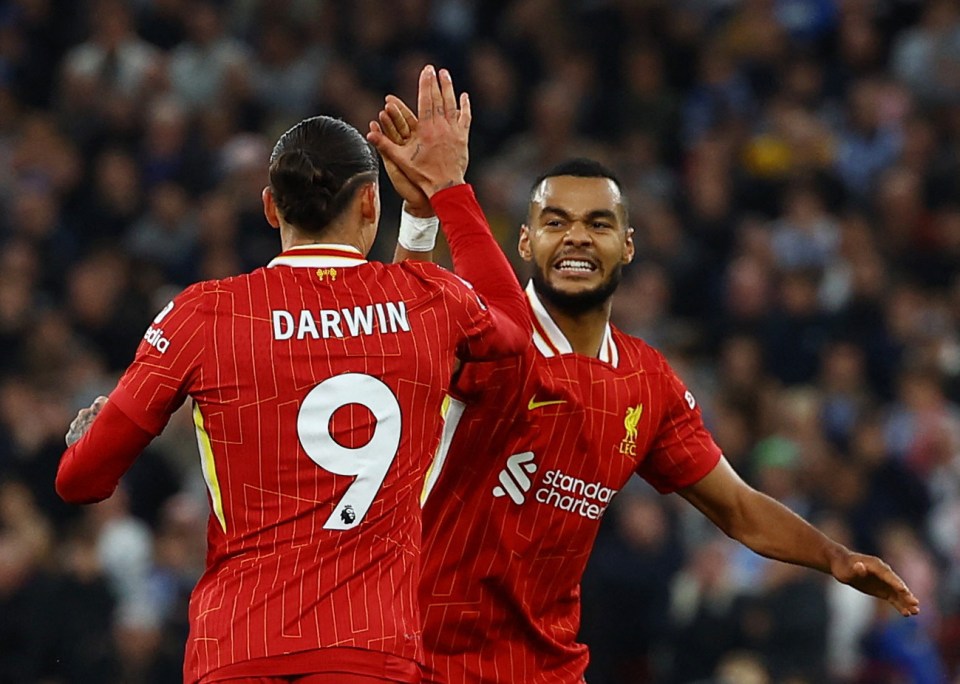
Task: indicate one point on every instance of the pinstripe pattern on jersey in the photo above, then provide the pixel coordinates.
(277, 582)
(500, 586)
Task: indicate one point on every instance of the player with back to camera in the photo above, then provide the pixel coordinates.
(535, 446)
(316, 386)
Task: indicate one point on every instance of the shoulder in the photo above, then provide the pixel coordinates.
(202, 295)
(638, 354)
(426, 270)
(434, 276)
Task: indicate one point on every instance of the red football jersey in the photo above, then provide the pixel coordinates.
(316, 384)
(530, 457)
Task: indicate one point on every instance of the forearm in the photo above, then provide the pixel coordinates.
(91, 468)
(769, 528)
(760, 522)
(477, 258)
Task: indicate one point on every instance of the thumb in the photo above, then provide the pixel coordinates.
(384, 145)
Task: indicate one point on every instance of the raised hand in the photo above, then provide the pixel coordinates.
(84, 420)
(436, 154)
(397, 122)
(872, 576)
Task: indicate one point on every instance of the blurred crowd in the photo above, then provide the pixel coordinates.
(793, 173)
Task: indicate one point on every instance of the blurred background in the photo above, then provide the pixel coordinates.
(792, 168)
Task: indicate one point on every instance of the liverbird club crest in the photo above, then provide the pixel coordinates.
(628, 446)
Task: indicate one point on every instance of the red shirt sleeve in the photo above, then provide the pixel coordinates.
(683, 450)
(167, 364)
(91, 468)
(166, 367)
(478, 259)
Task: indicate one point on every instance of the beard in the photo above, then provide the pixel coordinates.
(581, 302)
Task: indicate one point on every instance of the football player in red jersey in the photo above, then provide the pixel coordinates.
(534, 447)
(316, 386)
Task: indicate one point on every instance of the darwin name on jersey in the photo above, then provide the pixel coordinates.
(389, 317)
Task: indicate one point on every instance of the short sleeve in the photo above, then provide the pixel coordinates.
(167, 364)
(683, 450)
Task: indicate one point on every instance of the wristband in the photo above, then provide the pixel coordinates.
(418, 234)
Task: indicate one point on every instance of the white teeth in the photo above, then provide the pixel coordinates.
(576, 265)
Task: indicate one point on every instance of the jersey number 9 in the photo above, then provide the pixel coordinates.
(369, 463)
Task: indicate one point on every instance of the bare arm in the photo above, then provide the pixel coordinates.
(773, 530)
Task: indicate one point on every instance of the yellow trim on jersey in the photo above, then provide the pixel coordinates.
(209, 466)
(451, 410)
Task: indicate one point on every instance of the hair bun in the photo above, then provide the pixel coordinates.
(315, 170)
(309, 187)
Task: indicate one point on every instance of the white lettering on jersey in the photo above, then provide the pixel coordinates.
(163, 312)
(359, 319)
(571, 494)
(154, 337)
(557, 489)
(378, 318)
(282, 325)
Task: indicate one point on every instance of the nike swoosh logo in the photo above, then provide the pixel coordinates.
(534, 404)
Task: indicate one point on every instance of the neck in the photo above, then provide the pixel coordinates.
(291, 237)
(584, 330)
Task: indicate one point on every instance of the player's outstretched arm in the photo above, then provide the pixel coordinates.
(773, 530)
(435, 158)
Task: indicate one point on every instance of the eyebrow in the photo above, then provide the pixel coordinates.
(593, 214)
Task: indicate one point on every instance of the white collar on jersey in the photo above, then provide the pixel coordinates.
(319, 256)
(550, 340)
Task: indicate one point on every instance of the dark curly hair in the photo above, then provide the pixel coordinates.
(316, 168)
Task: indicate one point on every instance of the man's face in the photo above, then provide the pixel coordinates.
(578, 241)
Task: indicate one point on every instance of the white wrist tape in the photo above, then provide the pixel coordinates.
(418, 234)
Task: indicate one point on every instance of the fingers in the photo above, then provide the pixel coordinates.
(466, 114)
(99, 403)
(893, 588)
(388, 124)
(409, 123)
(379, 139)
(436, 96)
(448, 95)
(425, 88)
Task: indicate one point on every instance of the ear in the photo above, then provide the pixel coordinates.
(629, 249)
(523, 246)
(370, 202)
(270, 207)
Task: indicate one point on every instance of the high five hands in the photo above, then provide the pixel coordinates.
(430, 150)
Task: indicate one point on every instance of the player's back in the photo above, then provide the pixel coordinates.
(316, 401)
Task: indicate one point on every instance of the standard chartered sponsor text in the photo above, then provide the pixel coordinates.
(571, 494)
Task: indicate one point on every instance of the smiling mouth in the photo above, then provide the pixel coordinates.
(575, 266)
